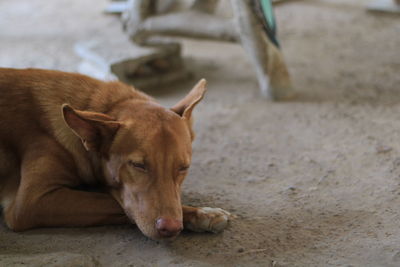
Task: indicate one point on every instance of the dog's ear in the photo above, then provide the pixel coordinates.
(185, 107)
(96, 130)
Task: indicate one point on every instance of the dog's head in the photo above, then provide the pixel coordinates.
(145, 152)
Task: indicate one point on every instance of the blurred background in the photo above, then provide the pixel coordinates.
(314, 181)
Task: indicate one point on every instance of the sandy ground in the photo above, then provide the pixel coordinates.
(314, 182)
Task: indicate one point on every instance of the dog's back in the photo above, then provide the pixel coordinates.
(31, 100)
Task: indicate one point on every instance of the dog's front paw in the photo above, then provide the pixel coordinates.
(209, 220)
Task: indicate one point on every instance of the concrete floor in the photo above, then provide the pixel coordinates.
(308, 179)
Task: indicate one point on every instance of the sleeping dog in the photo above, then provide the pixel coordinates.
(61, 130)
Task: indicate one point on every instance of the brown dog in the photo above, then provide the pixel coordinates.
(61, 130)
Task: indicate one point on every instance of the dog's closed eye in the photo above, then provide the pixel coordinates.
(138, 165)
(183, 169)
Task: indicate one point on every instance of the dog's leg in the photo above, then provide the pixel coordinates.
(205, 219)
(63, 207)
(45, 199)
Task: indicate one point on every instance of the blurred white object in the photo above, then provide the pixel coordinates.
(246, 26)
(390, 6)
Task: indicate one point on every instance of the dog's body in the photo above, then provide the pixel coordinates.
(61, 130)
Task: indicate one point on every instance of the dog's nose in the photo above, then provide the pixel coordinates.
(167, 227)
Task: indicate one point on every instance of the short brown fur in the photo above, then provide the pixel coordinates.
(61, 130)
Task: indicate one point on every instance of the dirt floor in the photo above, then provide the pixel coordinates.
(314, 181)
